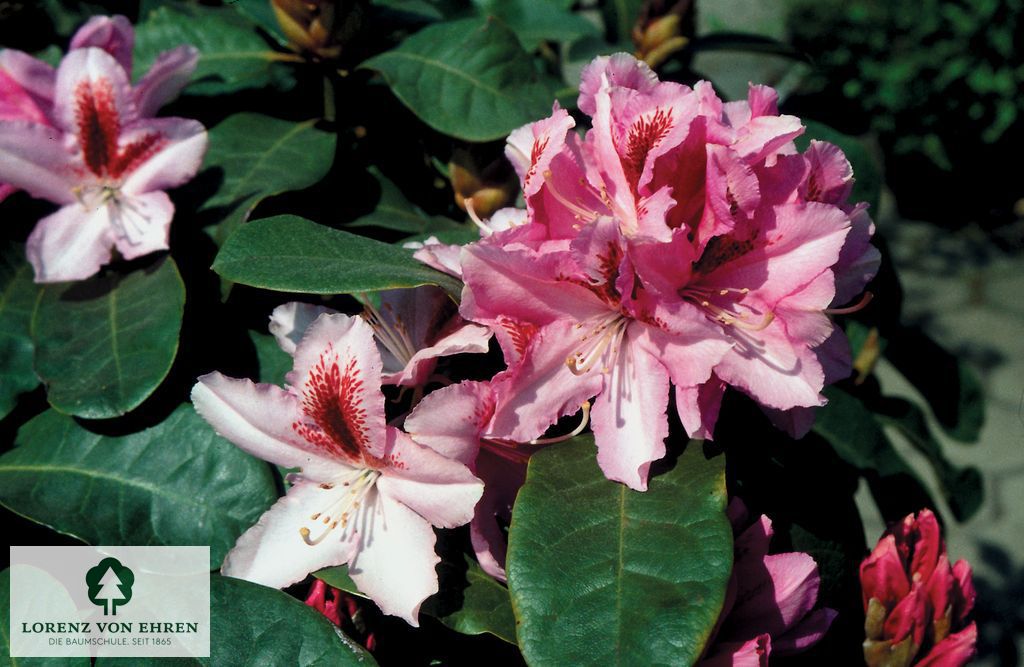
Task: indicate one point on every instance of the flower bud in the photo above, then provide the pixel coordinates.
(320, 27)
(916, 605)
(490, 188)
(661, 32)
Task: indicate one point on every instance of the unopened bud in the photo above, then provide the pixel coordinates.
(319, 27)
(491, 188)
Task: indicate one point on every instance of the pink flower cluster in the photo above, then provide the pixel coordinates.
(916, 604)
(683, 242)
(82, 136)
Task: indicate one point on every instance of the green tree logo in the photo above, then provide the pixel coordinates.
(110, 585)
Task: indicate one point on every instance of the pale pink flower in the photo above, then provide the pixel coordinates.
(770, 601)
(366, 494)
(90, 145)
(917, 606)
(683, 240)
(413, 329)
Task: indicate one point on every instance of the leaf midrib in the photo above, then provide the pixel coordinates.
(442, 66)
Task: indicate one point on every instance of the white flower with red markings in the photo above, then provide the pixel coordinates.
(366, 494)
(90, 144)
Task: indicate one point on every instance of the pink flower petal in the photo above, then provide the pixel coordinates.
(36, 78)
(337, 372)
(177, 153)
(93, 98)
(395, 562)
(274, 553)
(164, 81)
(441, 490)
(113, 34)
(955, 650)
(289, 322)
(142, 224)
(451, 420)
(35, 158)
(619, 70)
(698, 407)
(502, 480)
(260, 418)
(629, 417)
(71, 244)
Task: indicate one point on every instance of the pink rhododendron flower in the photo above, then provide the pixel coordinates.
(917, 605)
(366, 495)
(89, 143)
(683, 241)
(413, 329)
(769, 607)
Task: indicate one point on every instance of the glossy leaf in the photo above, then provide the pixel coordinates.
(958, 402)
(287, 253)
(18, 298)
(248, 150)
(105, 344)
(256, 625)
(857, 438)
(395, 212)
(962, 487)
(177, 483)
(469, 79)
(274, 362)
(233, 55)
(602, 574)
(535, 21)
(5, 643)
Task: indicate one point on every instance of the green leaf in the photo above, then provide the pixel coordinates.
(249, 150)
(256, 625)
(621, 16)
(18, 298)
(469, 601)
(469, 79)
(274, 362)
(472, 602)
(104, 344)
(961, 487)
(233, 56)
(958, 402)
(868, 177)
(535, 21)
(396, 212)
(602, 574)
(289, 254)
(857, 438)
(175, 483)
(5, 642)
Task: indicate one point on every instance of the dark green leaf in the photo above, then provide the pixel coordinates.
(233, 56)
(261, 12)
(868, 177)
(469, 79)
(962, 487)
(958, 402)
(174, 483)
(259, 156)
(535, 21)
(290, 254)
(857, 438)
(620, 16)
(104, 344)
(274, 362)
(601, 574)
(471, 601)
(5, 644)
(18, 298)
(396, 212)
(256, 625)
